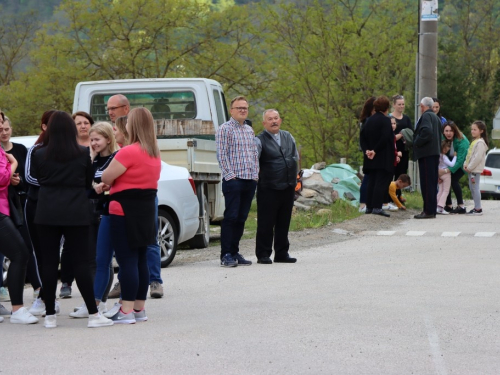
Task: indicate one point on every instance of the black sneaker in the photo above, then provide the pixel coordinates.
(448, 209)
(475, 212)
(228, 261)
(240, 260)
(458, 210)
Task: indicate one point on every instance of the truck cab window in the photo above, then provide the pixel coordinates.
(169, 105)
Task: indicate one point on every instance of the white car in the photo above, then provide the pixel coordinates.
(178, 207)
(489, 184)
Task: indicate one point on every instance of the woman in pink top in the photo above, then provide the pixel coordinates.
(133, 175)
(12, 244)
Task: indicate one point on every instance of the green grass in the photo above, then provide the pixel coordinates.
(335, 213)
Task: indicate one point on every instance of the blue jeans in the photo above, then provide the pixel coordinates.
(132, 261)
(238, 195)
(153, 254)
(104, 256)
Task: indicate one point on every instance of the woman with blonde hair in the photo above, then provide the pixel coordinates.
(120, 131)
(133, 176)
(103, 148)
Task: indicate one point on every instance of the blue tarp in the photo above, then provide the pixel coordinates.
(349, 181)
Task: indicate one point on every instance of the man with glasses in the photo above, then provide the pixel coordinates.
(238, 159)
(118, 106)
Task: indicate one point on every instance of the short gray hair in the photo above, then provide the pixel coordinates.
(269, 110)
(427, 102)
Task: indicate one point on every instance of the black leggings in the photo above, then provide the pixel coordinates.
(13, 247)
(76, 237)
(457, 189)
(36, 258)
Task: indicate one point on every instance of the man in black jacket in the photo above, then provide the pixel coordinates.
(426, 149)
(278, 159)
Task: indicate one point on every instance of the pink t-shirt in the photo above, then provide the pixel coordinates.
(143, 172)
(4, 183)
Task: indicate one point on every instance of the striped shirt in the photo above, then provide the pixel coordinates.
(236, 151)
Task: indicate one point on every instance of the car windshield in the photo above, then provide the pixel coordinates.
(493, 161)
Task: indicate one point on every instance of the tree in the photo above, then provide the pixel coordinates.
(121, 39)
(469, 71)
(329, 57)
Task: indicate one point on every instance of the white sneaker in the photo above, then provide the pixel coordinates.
(50, 321)
(97, 320)
(82, 312)
(36, 293)
(112, 312)
(23, 316)
(1, 319)
(385, 206)
(362, 210)
(38, 307)
(393, 207)
(102, 307)
(441, 211)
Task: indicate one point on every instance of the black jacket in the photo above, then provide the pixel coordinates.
(278, 164)
(62, 198)
(377, 135)
(427, 136)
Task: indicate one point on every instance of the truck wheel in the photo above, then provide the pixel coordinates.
(167, 237)
(201, 241)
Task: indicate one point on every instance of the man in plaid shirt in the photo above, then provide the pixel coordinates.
(238, 159)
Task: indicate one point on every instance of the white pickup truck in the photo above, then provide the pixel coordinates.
(187, 112)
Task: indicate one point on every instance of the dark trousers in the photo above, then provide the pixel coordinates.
(455, 186)
(274, 212)
(429, 176)
(36, 257)
(67, 273)
(13, 247)
(77, 239)
(378, 187)
(238, 195)
(133, 262)
(363, 190)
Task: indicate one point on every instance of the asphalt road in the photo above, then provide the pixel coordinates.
(419, 298)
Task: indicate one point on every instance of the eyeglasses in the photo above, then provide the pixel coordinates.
(243, 109)
(114, 108)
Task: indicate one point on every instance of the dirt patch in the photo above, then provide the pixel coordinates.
(307, 238)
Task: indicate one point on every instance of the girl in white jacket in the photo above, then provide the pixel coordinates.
(474, 162)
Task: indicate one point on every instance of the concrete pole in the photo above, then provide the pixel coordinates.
(426, 64)
(428, 49)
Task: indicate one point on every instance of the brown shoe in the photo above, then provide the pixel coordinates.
(156, 290)
(116, 291)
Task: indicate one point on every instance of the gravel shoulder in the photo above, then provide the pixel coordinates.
(306, 239)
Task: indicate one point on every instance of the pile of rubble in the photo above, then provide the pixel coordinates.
(315, 191)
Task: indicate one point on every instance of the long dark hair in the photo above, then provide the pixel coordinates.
(60, 140)
(367, 109)
(44, 121)
(436, 100)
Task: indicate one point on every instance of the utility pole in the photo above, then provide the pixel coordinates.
(426, 77)
(427, 49)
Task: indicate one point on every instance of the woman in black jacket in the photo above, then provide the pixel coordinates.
(64, 171)
(377, 139)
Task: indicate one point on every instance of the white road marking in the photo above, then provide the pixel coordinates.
(415, 233)
(484, 234)
(450, 234)
(433, 338)
(385, 232)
